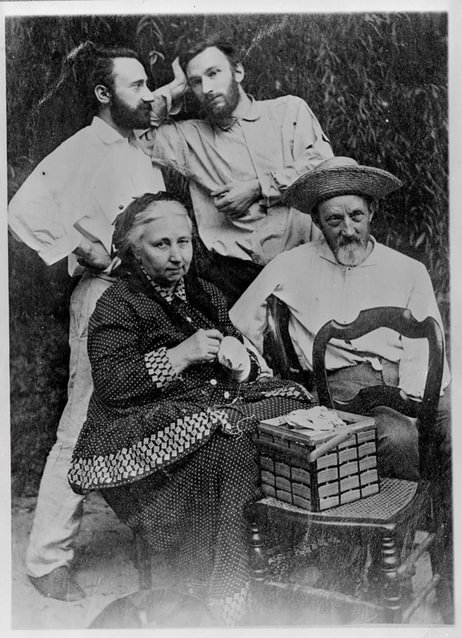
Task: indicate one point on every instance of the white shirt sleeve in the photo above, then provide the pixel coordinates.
(414, 360)
(309, 146)
(249, 313)
(35, 215)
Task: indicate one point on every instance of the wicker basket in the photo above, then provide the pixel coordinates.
(318, 470)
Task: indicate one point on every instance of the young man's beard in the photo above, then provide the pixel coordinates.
(128, 117)
(217, 114)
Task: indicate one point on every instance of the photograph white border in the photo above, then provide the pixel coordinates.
(454, 9)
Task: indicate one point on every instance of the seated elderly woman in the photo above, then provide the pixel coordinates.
(176, 397)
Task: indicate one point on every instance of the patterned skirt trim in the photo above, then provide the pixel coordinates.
(166, 445)
(151, 453)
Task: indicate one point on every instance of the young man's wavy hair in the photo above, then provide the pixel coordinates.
(71, 103)
(188, 49)
(85, 67)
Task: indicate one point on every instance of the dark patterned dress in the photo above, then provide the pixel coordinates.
(173, 454)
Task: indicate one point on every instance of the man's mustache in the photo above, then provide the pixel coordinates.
(348, 241)
(210, 98)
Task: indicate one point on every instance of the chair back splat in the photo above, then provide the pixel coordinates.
(382, 523)
(402, 321)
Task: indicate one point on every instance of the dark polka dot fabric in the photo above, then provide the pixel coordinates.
(173, 454)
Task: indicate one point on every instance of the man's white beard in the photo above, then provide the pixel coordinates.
(352, 254)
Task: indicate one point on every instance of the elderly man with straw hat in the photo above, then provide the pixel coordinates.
(335, 278)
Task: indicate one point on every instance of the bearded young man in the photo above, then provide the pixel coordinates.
(239, 158)
(65, 208)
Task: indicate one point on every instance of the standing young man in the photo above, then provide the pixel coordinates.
(65, 208)
(239, 158)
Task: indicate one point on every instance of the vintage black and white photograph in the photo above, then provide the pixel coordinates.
(230, 299)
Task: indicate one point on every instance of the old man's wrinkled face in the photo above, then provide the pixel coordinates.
(165, 246)
(345, 224)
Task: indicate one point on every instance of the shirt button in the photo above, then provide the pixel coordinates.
(226, 394)
(213, 382)
(121, 206)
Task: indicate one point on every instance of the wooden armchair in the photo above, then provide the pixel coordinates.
(277, 345)
(377, 520)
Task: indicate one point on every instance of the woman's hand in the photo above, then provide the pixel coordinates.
(233, 355)
(201, 347)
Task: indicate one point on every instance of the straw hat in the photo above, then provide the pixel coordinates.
(338, 176)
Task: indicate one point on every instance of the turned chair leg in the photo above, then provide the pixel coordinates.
(258, 558)
(391, 586)
(258, 564)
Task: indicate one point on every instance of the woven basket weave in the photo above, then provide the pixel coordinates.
(345, 473)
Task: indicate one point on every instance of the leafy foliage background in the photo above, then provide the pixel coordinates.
(377, 83)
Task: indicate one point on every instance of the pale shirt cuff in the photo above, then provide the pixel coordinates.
(159, 368)
(414, 385)
(166, 108)
(269, 192)
(413, 374)
(62, 248)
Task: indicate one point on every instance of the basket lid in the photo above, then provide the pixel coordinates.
(279, 427)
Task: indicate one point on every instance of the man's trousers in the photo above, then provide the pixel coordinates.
(59, 510)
